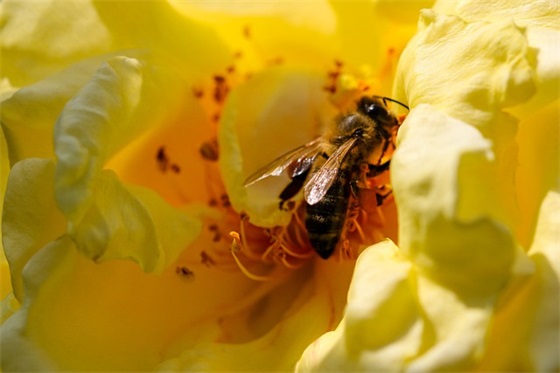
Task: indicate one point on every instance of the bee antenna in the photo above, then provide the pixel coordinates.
(385, 99)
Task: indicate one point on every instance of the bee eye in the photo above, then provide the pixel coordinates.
(375, 111)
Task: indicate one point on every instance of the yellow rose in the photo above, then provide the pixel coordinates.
(118, 204)
(473, 284)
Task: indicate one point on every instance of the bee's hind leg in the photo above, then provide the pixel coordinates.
(292, 189)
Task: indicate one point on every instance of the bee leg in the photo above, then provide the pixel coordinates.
(355, 188)
(386, 143)
(380, 197)
(292, 189)
(374, 170)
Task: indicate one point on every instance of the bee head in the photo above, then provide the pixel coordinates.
(375, 109)
(353, 125)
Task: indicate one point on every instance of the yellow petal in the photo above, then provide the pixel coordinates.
(5, 282)
(470, 70)
(311, 297)
(528, 315)
(525, 13)
(540, 19)
(382, 326)
(545, 341)
(29, 113)
(538, 167)
(134, 224)
(274, 112)
(31, 218)
(271, 32)
(458, 234)
(80, 315)
(149, 160)
(40, 39)
(363, 34)
(157, 27)
(121, 101)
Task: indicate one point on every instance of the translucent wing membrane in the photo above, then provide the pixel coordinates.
(321, 181)
(303, 157)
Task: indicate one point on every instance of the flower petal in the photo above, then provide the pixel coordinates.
(455, 233)
(381, 310)
(528, 312)
(31, 218)
(314, 298)
(132, 223)
(80, 315)
(119, 103)
(29, 113)
(362, 29)
(538, 168)
(5, 283)
(545, 341)
(271, 32)
(157, 27)
(525, 13)
(540, 19)
(38, 39)
(497, 67)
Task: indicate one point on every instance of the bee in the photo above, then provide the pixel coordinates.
(356, 141)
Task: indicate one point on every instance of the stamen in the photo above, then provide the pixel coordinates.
(235, 248)
(353, 224)
(345, 251)
(290, 265)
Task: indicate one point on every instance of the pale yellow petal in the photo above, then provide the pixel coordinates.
(38, 39)
(382, 326)
(497, 68)
(121, 101)
(132, 223)
(445, 223)
(29, 113)
(544, 342)
(540, 19)
(31, 218)
(542, 13)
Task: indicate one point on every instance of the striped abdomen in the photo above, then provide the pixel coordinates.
(325, 219)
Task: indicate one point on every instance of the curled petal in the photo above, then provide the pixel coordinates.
(29, 113)
(107, 113)
(497, 67)
(540, 20)
(132, 223)
(447, 225)
(31, 218)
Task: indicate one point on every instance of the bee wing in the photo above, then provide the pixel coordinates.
(321, 181)
(305, 155)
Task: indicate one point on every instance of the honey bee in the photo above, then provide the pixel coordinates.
(352, 150)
